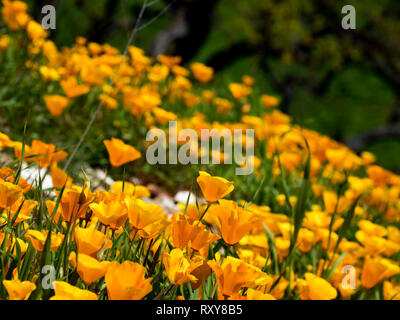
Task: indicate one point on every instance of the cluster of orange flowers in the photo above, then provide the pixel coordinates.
(113, 244)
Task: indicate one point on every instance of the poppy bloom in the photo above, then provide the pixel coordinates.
(234, 274)
(18, 290)
(377, 269)
(201, 72)
(72, 89)
(56, 104)
(35, 31)
(158, 73)
(130, 189)
(120, 153)
(184, 231)
(372, 229)
(59, 177)
(332, 204)
(202, 272)
(89, 241)
(65, 291)
(315, 288)
(38, 239)
(269, 101)
(127, 281)
(50, 206)
(75, 202)
(5, 141)
(162, 116)
(24, 208)
(214, 188)
(110, 213)
(239, 91)
(234, 221)
(142, 214)
(5, 41)
(391, 291)
(248, 80)
(179, 268)
(169, 61)
(9, 193)
(258, 295)
(44, 154)
(88, 268)
(154, 229)
(14, 14)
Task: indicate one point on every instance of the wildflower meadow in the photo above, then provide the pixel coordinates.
(126, 177)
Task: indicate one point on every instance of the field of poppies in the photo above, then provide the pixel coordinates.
(314, 221)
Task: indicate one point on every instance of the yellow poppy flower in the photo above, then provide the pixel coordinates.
(89, 241)
(179, 268)
(214, 188)
(88, 268)
(258, 295)
(234, 221)
(377, 269)
(38, 239)
(131, 189)
(110, 213)
(318, 288)
(75, 202)
(72, 89)
(120, 153)
(142, 214)
(18, 290)
(65, 291)
(201, 72)
(127, 281)
(184, 231)
(56, 104)
(234, 274)
(9, 194)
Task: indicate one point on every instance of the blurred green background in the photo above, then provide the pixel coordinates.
(343, 83)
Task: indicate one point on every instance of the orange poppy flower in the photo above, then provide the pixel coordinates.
(56, 104)
(127, 281)
(75, 202)
(376, 270)
(65, 291)
(72, 89)
(315, 288)
(18, 290)
(179, 268)
(234, 221)
(110, 213)
(87, 267)
(38, 239)
(142, 214)
(9, 193)
(184, 231)
(201, 72)
(214, 188)
(44, 154)
(120, 153)
(89, 241)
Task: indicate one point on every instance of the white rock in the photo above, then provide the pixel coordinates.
(182, 196)
(32, 174)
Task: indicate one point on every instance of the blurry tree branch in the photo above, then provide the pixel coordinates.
(390, 130)
(191, 24)
(103, 25)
